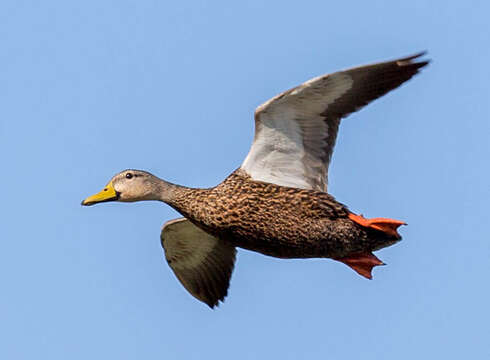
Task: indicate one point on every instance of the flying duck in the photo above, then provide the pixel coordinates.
(276, 203)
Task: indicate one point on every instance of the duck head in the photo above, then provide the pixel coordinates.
(128, 186)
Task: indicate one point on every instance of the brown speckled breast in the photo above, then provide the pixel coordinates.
(276, 220)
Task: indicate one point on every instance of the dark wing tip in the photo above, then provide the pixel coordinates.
(414, 56)
(212, 300)
(408, 61)
(214, 305)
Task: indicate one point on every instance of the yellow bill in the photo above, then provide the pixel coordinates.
(107, 194)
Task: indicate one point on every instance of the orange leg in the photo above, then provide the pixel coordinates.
(388, 226)
(362, 263)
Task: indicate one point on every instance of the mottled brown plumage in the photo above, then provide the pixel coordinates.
(276, 203)
(276, 220)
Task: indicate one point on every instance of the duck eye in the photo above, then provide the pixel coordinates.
(129, 176)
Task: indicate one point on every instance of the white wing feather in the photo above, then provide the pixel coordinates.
(291, 135)
(295, 132)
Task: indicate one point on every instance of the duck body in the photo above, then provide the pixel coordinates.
(277, 202)
(278, 221)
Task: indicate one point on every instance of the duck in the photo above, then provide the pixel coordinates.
(276, 203)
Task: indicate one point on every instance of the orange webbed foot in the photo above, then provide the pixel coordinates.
(388, 226)
(362, 263)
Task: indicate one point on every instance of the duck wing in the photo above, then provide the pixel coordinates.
(295, 131)
(201, 262)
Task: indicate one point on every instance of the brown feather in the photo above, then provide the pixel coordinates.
(276, 220)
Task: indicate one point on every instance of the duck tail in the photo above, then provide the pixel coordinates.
(388, 226)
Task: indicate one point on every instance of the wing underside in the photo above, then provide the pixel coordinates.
(295, 132)
(202, 263)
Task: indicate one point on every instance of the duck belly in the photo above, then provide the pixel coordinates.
(321, 238)
(280, 221)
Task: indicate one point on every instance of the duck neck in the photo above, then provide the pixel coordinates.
(174, 195)
(166, 191)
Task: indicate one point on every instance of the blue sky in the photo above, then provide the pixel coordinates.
(90, 88)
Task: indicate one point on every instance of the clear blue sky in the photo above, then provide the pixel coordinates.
(88, 88)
